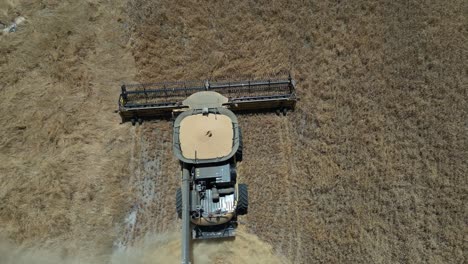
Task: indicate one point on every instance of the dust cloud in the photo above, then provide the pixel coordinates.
(10, 253)
(152, 249)
(165, 248)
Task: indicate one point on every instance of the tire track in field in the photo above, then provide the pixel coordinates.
(150, 184)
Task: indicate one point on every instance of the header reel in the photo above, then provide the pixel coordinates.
(138, 102)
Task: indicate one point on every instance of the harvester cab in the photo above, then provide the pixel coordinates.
(207, 141)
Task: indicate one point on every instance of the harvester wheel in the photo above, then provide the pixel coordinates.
(133, 120)
(242, 199)
(179, 203)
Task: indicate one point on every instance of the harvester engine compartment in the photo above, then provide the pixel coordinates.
(213, 193)
(213, 198)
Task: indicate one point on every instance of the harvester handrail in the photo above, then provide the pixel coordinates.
(165, 90)
(243, 84)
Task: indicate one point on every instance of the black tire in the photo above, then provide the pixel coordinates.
(241, 146)
(179, 203)
(242, 199)
(133, 120)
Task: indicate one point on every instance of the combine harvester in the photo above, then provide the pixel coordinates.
(208, 142)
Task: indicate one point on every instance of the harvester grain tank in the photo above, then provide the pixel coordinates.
(207, 140)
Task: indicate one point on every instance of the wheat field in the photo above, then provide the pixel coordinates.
(371, 167)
